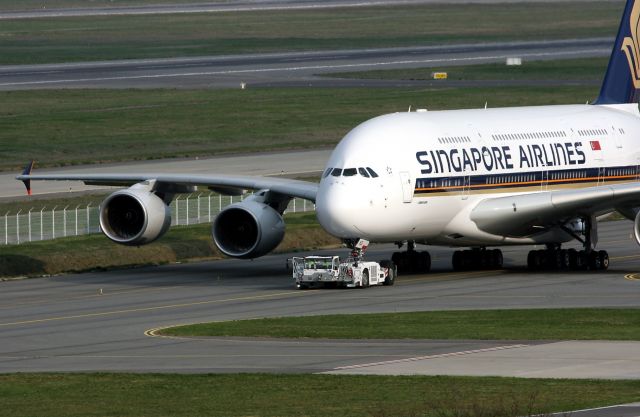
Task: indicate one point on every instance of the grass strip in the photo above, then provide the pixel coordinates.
(543, 324)
(47, 40)
(300, 395)
(583, 69)
(66, 127)
(91, 252)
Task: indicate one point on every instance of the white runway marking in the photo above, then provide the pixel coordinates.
(421, 358)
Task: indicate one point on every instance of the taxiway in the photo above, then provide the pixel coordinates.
(104, 321)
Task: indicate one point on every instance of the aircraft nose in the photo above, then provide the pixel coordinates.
(337, 210)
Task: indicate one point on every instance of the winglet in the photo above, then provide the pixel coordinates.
(27, 171)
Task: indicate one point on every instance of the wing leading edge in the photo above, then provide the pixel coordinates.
(229, 183)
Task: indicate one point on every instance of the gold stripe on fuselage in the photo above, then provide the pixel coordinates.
(524, 186)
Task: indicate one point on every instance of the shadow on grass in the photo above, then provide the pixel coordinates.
(18, 265)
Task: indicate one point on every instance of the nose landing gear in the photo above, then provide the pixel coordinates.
(411, 261)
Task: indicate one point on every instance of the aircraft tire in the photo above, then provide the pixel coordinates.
(456, 260)
(498, 259)
(604, 259)
(594, 261)
(391, 274)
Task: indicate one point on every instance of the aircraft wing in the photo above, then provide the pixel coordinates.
(226, 184)
(527, 214)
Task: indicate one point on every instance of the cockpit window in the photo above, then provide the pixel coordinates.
(349, 172)
(327, 172)
(363, 172)
(372, 172)
(336, 172)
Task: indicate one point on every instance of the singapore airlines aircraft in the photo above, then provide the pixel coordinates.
(467, 178)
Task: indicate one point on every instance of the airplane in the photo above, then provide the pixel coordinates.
(477, 178)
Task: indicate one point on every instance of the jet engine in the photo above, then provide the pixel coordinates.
(248, 229)
(636, 228)
(134, 216)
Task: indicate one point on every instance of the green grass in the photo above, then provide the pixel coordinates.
(299, 395)
(65, 127)
(552, 324)
(583, 69)
(156, 36)
(40, 201)
(90, 252)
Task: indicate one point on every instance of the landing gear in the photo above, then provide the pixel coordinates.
(412, 261)
(464, 260)
(554, 258)
(567, 259)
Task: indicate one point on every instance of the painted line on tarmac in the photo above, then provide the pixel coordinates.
(633, 277)
(584, 410)
(302, 68)
(96, 294)
(615, 258)
(420, 358)
(161, 307)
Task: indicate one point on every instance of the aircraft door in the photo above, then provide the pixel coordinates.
(407, 187)
(466, 186)
(602, 172)
(545, 179)
(617, 138)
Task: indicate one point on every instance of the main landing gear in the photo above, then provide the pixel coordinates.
(567, 259)
(475, 259)
(555, 258)
(411, 261)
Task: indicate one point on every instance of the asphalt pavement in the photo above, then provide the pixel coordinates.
(289, 68)
(228, 6)
(104, 321)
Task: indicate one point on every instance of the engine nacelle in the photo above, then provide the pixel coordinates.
(248, 229)
(134, 216)
(636, 228)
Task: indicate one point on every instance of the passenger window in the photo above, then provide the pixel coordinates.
(336, 172)
(363, 172)
(372, 172)
(327, 172)
(349, 172)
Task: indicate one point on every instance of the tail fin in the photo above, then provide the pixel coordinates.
(27, 171)
(622, 80)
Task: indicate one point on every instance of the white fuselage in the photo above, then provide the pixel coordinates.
(434, 167)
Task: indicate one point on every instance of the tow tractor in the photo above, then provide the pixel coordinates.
(320, 271)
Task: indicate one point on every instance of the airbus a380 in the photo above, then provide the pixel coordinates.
(478, 179)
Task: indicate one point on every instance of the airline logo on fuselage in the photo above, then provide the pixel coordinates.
(495, 158)
(630, 45)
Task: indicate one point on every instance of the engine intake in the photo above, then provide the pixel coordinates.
(248, 229)
(134, 216)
